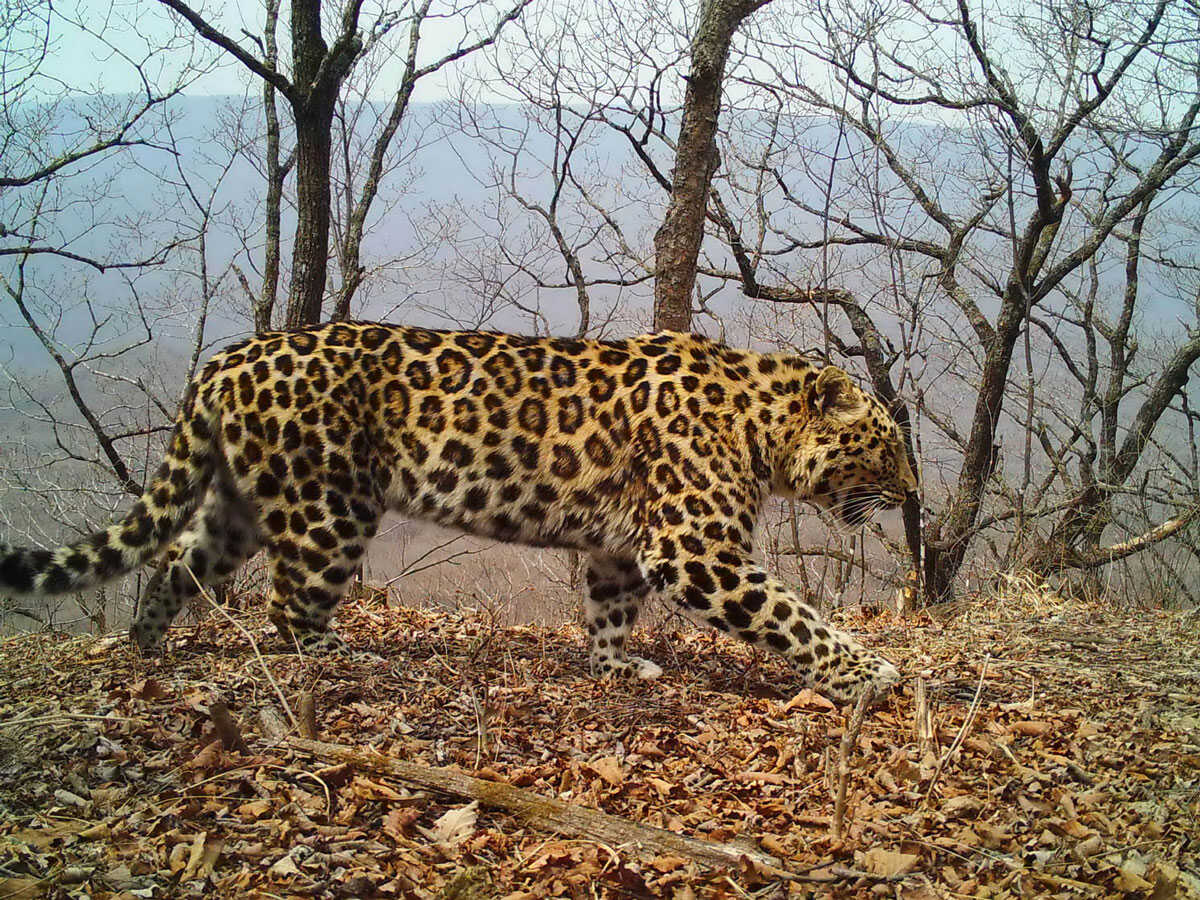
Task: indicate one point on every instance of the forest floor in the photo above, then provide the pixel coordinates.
(1062, 758)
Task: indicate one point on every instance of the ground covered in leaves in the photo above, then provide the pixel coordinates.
(1061, 758)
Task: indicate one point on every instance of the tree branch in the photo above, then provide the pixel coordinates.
(233, 48)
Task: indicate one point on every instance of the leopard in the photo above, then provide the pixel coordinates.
(653, 456)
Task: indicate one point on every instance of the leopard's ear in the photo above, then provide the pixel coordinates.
(833, 392)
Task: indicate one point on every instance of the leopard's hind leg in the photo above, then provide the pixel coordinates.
(221, 536)
(616, 589)
(315, 548)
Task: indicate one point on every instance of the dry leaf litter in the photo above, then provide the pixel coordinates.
(1061, 758)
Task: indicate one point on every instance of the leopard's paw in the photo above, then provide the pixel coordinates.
(630, 668)
(330, 643)
(857, 672)
(645, 670)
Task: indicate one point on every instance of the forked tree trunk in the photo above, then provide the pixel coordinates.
(949, 537)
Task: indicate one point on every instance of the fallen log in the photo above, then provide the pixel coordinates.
(547, 813)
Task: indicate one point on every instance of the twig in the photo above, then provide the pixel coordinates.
(847, 873)
(481, 734)
(61, 716)
(962, 732)
(923, 718)
(849, 738)
(253, 643)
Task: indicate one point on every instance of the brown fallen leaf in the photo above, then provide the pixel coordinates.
(398, 820)
(456, 825)
(1077, 829)
(20, 888)
(44, 838)
(254, 809)
(1130, 880)
(207, 758)
(373, 790)
(762, 777)
(212, 853)
(197, 854)
(809, 699)
(963, 805)
(285, 867)
(205, 851)
(980, 744)
(887, 863)
(969, 838)
(335, 776)
(662, 786)
(646, 748)
(148, 689)
(609, 769)
(668, 863)
(1031, 728)
(993, 838)
(99, 831)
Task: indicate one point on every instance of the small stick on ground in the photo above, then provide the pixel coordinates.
(227, 729)
(481, 728)
(849, 739)
(923, 718)
(204, 592)
(308, 716)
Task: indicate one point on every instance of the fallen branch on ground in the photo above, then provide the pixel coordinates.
(546, 813)
(550, 814)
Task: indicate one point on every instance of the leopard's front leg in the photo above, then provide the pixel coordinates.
(727, 589)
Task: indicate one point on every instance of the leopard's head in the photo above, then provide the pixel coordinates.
(847, 454)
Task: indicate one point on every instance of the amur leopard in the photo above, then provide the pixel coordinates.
(652, 455)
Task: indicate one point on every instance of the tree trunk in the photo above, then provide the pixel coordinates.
(313, 114)
(950, 535)
(677, 242)
(264, 308)
(310, 255)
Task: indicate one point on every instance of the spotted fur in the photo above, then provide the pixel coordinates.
(653, 455)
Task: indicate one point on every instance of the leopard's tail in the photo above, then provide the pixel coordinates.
(158, 516)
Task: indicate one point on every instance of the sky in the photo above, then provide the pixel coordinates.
(102, 43)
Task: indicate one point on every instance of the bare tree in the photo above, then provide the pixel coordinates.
(64, 148)
(319, 70)
(1032, 156)
(100, 228)
(552, 225)
(415, 69)
(1108, 444)
(931, 189)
